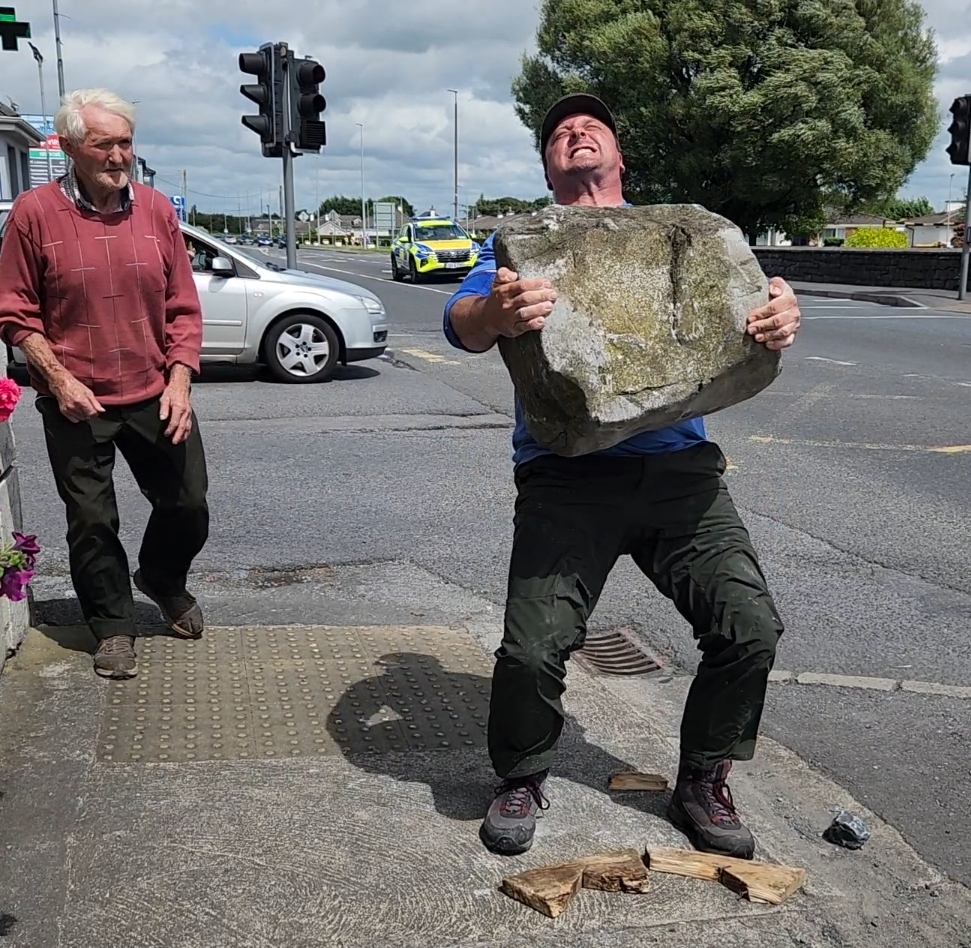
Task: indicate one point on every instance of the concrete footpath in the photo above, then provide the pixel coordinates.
(292, 785)
(945, 300)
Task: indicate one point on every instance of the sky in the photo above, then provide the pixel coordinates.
(389, 64)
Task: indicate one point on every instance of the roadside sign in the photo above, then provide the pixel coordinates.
(42, 171)
(178, 202)
(303, 216)
(384, 217)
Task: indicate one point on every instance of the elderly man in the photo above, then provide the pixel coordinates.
(97, 290)
(658, 497)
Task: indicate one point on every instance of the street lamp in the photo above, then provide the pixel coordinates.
(43, 107)
(456, 154)
(360, 125)
(60, 59)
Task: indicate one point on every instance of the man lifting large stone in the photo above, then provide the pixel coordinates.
(659, 497)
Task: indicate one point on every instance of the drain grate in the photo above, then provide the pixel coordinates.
(615, 652)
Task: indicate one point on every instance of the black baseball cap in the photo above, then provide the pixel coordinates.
(576, 103)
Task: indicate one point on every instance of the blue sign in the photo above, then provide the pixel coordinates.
(178, 202)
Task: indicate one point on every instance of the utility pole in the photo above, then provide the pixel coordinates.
(965, 244)
(60, 59)
(363, 206)
(43, 107)
(455, 216)
(289, 210)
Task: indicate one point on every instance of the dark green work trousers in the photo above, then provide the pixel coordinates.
(171, 476)
(673, 515)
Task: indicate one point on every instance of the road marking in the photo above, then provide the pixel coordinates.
(919, 448)
(870, 684)
(897, 316)
(831, 361)
(429, 356)
(937, 378)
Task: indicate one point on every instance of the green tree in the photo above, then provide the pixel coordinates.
(898, 209)
(756, 109)
(491, 206)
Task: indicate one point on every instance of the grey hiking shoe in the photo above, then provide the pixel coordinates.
(115, 657)
(702, 808)
(509, 825)
(181, 612)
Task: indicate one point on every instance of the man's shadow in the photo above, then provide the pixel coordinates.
(62, 622)
(436, 719)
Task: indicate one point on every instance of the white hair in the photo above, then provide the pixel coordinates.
(68, 122)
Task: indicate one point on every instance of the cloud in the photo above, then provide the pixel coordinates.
(388, 63)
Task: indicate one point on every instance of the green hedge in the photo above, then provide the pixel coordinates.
(878, 237)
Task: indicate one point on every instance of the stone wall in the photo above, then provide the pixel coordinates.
(14, 616)
(915, 269)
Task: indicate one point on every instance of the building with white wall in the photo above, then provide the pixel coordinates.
(17, 137)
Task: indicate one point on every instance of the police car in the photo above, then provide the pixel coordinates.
(432, 245)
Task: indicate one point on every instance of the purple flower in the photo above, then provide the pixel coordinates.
(13, 583)
(26, 543)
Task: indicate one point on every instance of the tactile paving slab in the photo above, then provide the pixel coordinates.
(298, 691)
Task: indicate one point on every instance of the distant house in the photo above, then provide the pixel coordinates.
(17, 137)
(842, 226)
(932, 230)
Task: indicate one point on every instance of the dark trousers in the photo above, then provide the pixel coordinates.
(172, 477)
(672, 513)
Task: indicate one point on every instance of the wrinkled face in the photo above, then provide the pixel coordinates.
(580, 145)
(105, 155)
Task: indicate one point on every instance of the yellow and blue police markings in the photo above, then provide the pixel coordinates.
(425, 246)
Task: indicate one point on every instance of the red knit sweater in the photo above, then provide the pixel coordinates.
(112, 293)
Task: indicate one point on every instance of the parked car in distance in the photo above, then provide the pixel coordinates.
(299, 324)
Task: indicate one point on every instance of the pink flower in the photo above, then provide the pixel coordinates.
(10, 393)
(26, 543)
(14, 582)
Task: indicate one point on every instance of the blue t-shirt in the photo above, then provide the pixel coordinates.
(685, 434)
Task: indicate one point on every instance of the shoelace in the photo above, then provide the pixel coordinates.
(518, 794)
(719, 797)
(116, 645)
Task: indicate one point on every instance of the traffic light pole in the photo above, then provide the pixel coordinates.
(288, 202)
(965, 245)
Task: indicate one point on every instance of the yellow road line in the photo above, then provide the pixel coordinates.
(919, 448)
(430, 356)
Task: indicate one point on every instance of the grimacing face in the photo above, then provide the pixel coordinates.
(104, 158)
(579, 145)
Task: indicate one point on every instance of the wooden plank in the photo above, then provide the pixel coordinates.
(548, 889)
(622, 871)
(763, 882)
(633, 780)
(691, 864)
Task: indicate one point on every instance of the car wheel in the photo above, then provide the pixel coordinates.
(413, 270)
(396, 274)
(302, 348)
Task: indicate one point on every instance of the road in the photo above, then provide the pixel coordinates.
(851, 471)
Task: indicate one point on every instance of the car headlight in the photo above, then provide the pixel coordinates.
(372, 305)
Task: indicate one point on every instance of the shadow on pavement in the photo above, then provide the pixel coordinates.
(61, 621)
(7, 923)
(223, 374)
(461, 782)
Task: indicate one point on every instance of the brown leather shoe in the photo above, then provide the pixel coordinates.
(703, 809)
(181, 612)
(115, 657)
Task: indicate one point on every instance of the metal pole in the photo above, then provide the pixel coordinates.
(60, 59)
(965, 245)
(363, 211)
(43, 109)
(288, 208)
(317, 194)
(455, 215)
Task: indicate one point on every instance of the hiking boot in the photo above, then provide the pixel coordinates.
(509, 825)
(702, 808)
(115, 657)
(181, 612)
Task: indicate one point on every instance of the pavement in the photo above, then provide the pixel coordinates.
(320, 753)
(911, 297)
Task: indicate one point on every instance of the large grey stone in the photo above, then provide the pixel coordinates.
(649, 324)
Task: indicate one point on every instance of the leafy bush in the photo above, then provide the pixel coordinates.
(833, 241)
(879, 237)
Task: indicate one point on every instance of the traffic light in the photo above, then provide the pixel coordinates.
(307, 131)
(267, 93)
(960, 131)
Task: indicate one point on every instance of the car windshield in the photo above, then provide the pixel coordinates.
(439, 232)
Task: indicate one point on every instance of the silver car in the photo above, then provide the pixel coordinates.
(253, 310)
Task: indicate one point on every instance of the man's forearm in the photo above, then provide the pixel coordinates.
(469, 320)
(180, 375)
(40, 355)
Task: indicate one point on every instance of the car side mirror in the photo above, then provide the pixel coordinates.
(221, 266)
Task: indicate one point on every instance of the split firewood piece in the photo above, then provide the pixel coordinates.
(633, 780)
(548, 889)
(763, 882)
(759, 881)
(615, 872)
